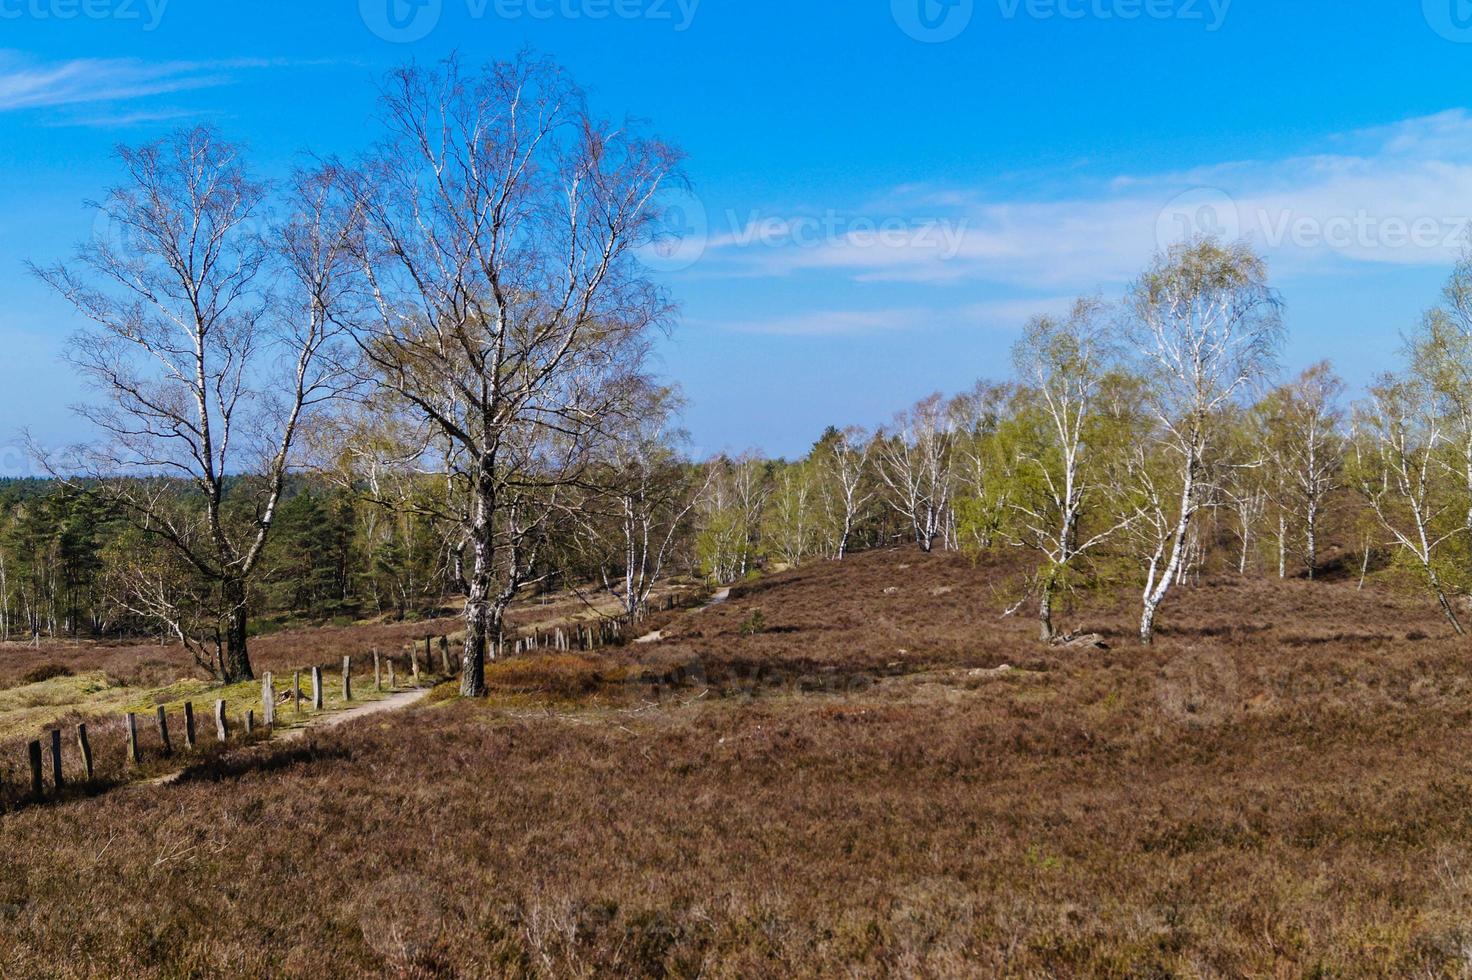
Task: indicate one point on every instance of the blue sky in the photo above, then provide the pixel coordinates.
(884, 189)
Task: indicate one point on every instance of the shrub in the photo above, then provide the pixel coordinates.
(753, 624)
(46, 672)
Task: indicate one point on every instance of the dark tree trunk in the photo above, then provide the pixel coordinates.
(235, 665)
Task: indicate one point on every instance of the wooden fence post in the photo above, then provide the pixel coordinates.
(163, 731)
(391, 681)
(250, 722)
(377, 671)
(347, 678)
(222, 724)
(296, 691)
(58, 779)
(85, 747)
(268, 701)
(445, 655)
(428, 654)
(316, 688)
(34, 751)
(189, 741)
(133, 754)
(414, 661)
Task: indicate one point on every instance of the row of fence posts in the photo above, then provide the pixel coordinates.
(606, 632)
(584, 637)
(35, 755)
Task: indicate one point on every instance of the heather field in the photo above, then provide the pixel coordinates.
(832, 773)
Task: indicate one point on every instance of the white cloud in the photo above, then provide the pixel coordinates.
(1399, 194)
(824, 323)
(26, 84)
(988, 315)
(125, 119)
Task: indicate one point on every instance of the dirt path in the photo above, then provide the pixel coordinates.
(715, 600)
(394, 702)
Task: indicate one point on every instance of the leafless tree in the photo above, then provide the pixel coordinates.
(508, 306)
(1398, 439)
(846, 486)
(1313, 449)
(633, 519)
(1205, 326)
(1064, 364)
(206, 349)
(915, 466)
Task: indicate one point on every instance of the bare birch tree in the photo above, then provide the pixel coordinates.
(1205, 326)
(846, 486)
(206, 349)
(1398, 444)
(1313, 449)
(509, 308)
(915, 466)
(645, 490)
(731, 505)
(1063, 482)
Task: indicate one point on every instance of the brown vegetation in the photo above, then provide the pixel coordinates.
(850, 787)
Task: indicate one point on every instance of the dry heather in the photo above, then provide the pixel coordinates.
(841, 785)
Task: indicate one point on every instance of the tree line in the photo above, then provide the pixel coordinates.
(424, 371)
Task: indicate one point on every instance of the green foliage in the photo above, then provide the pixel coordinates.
(753, 624)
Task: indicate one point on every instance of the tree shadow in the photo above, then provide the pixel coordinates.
(263, 759)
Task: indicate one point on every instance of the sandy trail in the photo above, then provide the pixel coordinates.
(715, 600)
(394, 702)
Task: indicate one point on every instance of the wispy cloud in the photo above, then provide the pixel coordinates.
(826, 323)
(1001, 314)
(1399, 194)
(124, 119)
(27, 84)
